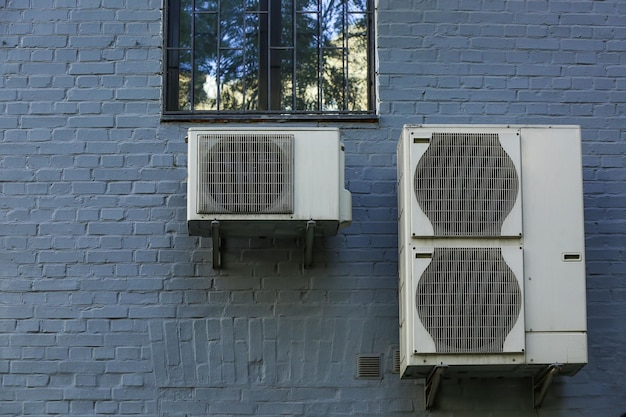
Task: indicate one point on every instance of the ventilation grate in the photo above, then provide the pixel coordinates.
(245, 173)
(369, 367)
(468, 300)
(466, 184)
(395, 361)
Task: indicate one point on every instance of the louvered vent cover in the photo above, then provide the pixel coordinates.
(466, 184)
(368, 367)
(245, 173)
(468, 300)
(395, 361)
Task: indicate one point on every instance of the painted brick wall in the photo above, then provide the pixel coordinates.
(107, 307)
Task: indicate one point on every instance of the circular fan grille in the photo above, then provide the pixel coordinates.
(468, 300)
(246, 174)
(466, 184)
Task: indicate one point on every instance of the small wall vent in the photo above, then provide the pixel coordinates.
(369, 367)
(395, 361)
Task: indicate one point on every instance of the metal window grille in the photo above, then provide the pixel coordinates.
(264, 56)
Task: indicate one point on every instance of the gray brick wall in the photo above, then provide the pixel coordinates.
(107, 307)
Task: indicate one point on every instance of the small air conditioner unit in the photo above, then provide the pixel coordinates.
(266, 182)
(491, 250)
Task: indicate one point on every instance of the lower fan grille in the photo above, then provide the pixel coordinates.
(245, 173)
(468, 300)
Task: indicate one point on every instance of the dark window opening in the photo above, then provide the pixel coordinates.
(269, 57)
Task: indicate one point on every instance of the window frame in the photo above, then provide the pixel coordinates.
(370, 115)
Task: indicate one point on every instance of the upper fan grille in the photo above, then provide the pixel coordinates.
(466, 184)
(245, 173)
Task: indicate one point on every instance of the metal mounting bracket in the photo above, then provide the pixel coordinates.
(217, 244)
(431, 385)
(308, 243)
(542, 383)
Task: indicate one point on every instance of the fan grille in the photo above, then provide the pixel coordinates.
(468, 300)
(245, 173)
(466, 184)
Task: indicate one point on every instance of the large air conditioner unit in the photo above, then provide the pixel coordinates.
(491, 250)
(266, 182)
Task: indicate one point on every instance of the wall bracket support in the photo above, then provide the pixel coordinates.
(308, 243)
(217, 244)
(431, 385)
(542, 383)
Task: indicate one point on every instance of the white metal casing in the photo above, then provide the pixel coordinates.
(317, 183)
(540, 243)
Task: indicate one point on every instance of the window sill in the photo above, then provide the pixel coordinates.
(270, 117)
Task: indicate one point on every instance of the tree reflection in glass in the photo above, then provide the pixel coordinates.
(284, 56)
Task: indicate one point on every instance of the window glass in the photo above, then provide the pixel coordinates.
(264, 56)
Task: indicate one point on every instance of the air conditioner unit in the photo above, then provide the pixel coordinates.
(266, 182)
(491, 250)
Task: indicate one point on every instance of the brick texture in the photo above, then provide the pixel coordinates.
(108, 307)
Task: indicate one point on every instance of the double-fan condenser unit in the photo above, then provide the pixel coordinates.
(491, 243)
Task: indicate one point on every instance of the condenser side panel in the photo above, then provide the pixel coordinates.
(406, 303)
(554, 261)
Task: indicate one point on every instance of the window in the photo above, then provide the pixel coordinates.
(264, 57)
